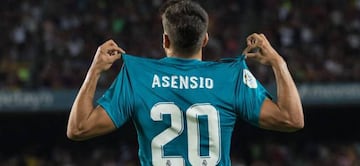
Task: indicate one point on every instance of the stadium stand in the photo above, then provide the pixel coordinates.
(44, 43)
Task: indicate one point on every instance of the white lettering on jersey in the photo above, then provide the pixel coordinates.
(193, 84)
(174, 82)
(182, 82)
(249, 79)
(156, 81)
(165, 81)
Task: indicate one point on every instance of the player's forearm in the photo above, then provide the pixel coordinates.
(287, 94)
(82, 106)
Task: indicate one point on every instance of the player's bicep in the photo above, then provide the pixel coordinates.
(99, 123)
(272, 118)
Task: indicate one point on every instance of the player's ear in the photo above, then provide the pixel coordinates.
(166, 41)
(206, 40)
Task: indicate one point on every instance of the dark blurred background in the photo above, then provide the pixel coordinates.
(47, 46)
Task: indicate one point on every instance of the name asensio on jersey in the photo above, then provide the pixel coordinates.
(182, 82)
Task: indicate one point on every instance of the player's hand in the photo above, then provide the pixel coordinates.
(260, 49)
(105, 56)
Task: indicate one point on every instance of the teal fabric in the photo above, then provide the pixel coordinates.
(151, 92)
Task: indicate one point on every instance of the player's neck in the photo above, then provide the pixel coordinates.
(197, 56)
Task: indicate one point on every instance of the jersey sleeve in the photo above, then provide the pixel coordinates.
(249, 95)
(118, 99)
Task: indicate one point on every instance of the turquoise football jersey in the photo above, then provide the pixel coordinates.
(184, 111)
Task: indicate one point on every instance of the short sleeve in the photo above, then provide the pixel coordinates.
(117, 100)
(249, 95)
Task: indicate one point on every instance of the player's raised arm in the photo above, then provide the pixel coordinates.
(85, 120)
(287, 114)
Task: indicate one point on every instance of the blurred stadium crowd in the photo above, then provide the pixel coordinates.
(50, 44)
(264, 154)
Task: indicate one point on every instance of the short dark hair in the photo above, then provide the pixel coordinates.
(186, 24)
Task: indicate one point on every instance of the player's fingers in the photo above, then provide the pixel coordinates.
(254, 40)
(251, 55)
(248, 39)
(251, 39)
(114, 58)
(251, 36)
(110, 43)
(246, 50)
(115, 53)
(113, 43)
(260, 41)
(114, 50)
(121, 50)
(264, 38)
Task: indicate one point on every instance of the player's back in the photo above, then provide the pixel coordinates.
(185, 110)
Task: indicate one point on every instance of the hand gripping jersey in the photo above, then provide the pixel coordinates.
(184, 110)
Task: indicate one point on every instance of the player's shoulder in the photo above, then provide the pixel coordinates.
(238, 61)
(138, 61)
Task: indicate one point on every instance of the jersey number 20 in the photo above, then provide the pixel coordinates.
(193, 129)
